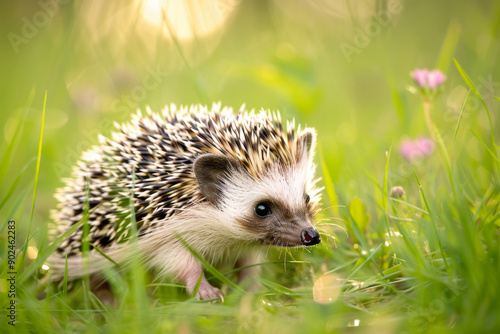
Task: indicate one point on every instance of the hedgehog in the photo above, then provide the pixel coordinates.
(185, 183)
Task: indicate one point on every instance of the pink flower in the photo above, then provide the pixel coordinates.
(428, 79)
(420, 76)
(413, 150)
(435, 79)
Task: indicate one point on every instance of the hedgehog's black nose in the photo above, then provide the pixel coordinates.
(310, 236)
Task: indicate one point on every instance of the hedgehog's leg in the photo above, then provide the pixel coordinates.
(206, 291)
(179, 262)
(189, 272)
(249, 259)
(250, 273)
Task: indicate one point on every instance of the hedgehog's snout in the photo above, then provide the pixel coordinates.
(310, 236)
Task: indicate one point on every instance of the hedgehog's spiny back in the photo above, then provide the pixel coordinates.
(153, 155)
(256, 140)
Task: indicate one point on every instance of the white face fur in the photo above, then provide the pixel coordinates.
(274, 208)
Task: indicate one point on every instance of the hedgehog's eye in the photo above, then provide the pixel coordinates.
(262, 210)
(307, 198)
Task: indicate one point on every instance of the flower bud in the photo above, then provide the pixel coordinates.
(397, 192)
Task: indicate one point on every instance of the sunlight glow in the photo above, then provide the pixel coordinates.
(394, 234)
(32, 252)
(152, 11)
(45, 267)
(327, 288)
(186, 20)
(354, 324)
(357, 284)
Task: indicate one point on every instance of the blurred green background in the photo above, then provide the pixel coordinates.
(342, 67)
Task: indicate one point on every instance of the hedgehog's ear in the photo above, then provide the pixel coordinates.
(306, 141)
(209, 169)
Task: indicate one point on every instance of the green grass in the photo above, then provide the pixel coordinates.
(425, 263)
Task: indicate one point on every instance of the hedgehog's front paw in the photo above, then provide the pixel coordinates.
(206, 291)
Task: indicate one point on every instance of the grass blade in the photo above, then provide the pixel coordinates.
(434, 223)
(469, 83)
(13, 210)
(106, 256)
(43, 256)
(210, 268)
(449, 45)
(261, 264)
(460, 117)
(65, 279)
(493, 155)
(368, 259)
(197, 286)
(276, 287)
(397, 100)
(416, 208)
(37, 173)
(385, 193)
(330, 189)
(14, 184)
